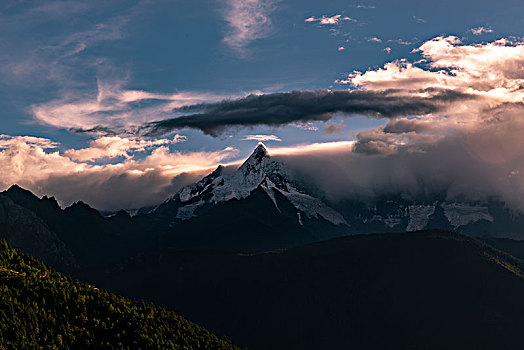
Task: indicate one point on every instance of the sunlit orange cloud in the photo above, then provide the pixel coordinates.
(34, 163)
(304, 149)
(337, 146)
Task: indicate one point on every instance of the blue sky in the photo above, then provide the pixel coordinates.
(74, 65)
(169, 46)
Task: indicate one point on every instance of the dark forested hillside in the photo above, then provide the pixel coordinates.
(41, 308)
(91, 238)
(421, 290)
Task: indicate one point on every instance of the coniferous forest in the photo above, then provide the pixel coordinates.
(43, 309)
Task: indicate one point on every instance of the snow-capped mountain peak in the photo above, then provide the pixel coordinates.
(257, 167)
(259, 170)
(259, 152)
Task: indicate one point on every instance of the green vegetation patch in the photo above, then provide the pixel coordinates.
(41, 308)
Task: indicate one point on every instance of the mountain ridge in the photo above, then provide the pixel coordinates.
(259, 206)
(259, 169)
(426, 289)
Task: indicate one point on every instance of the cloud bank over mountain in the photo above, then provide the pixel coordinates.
(472, 146)
(108, 174)
(453, 122)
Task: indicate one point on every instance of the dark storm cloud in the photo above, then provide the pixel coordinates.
(280, 109)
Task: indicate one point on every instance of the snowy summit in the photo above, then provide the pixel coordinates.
(259, 170)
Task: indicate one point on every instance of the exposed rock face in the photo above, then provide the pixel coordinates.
(22, 229)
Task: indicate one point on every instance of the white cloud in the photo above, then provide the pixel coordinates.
(261, 138)
(400, 41)
(375, 39)
(309, 126)
(341, 48)
(114, 146)
(325, 20)
(492, 72)
(480, 30)
(7, 141)
(248, 20)
(387, 49)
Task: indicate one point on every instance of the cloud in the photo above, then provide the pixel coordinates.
(248, 20)
(114, 146)
(341, 48)
(26, 60)
(7, 141)
(419, 20)
(113, 109)
(480, 30)
(312, 148)
(375, 39)
(59, 8)
(334, 128)
(285, 108)
(471, 148)
(400, 42)
(492, 72)
(261, 138)
(489, 70)
(304, 126)
(131, 182)
(447, 167)
(325, 20)
(399, 126)
(452, 124)
(387, 49)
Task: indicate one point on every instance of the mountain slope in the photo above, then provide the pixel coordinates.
(431, 290)
(394, 213)
(25, 230)
(40, 308)
(92, 239)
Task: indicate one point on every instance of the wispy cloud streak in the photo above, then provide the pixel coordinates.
(480, 30)
(261, 138)
(248, 20)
